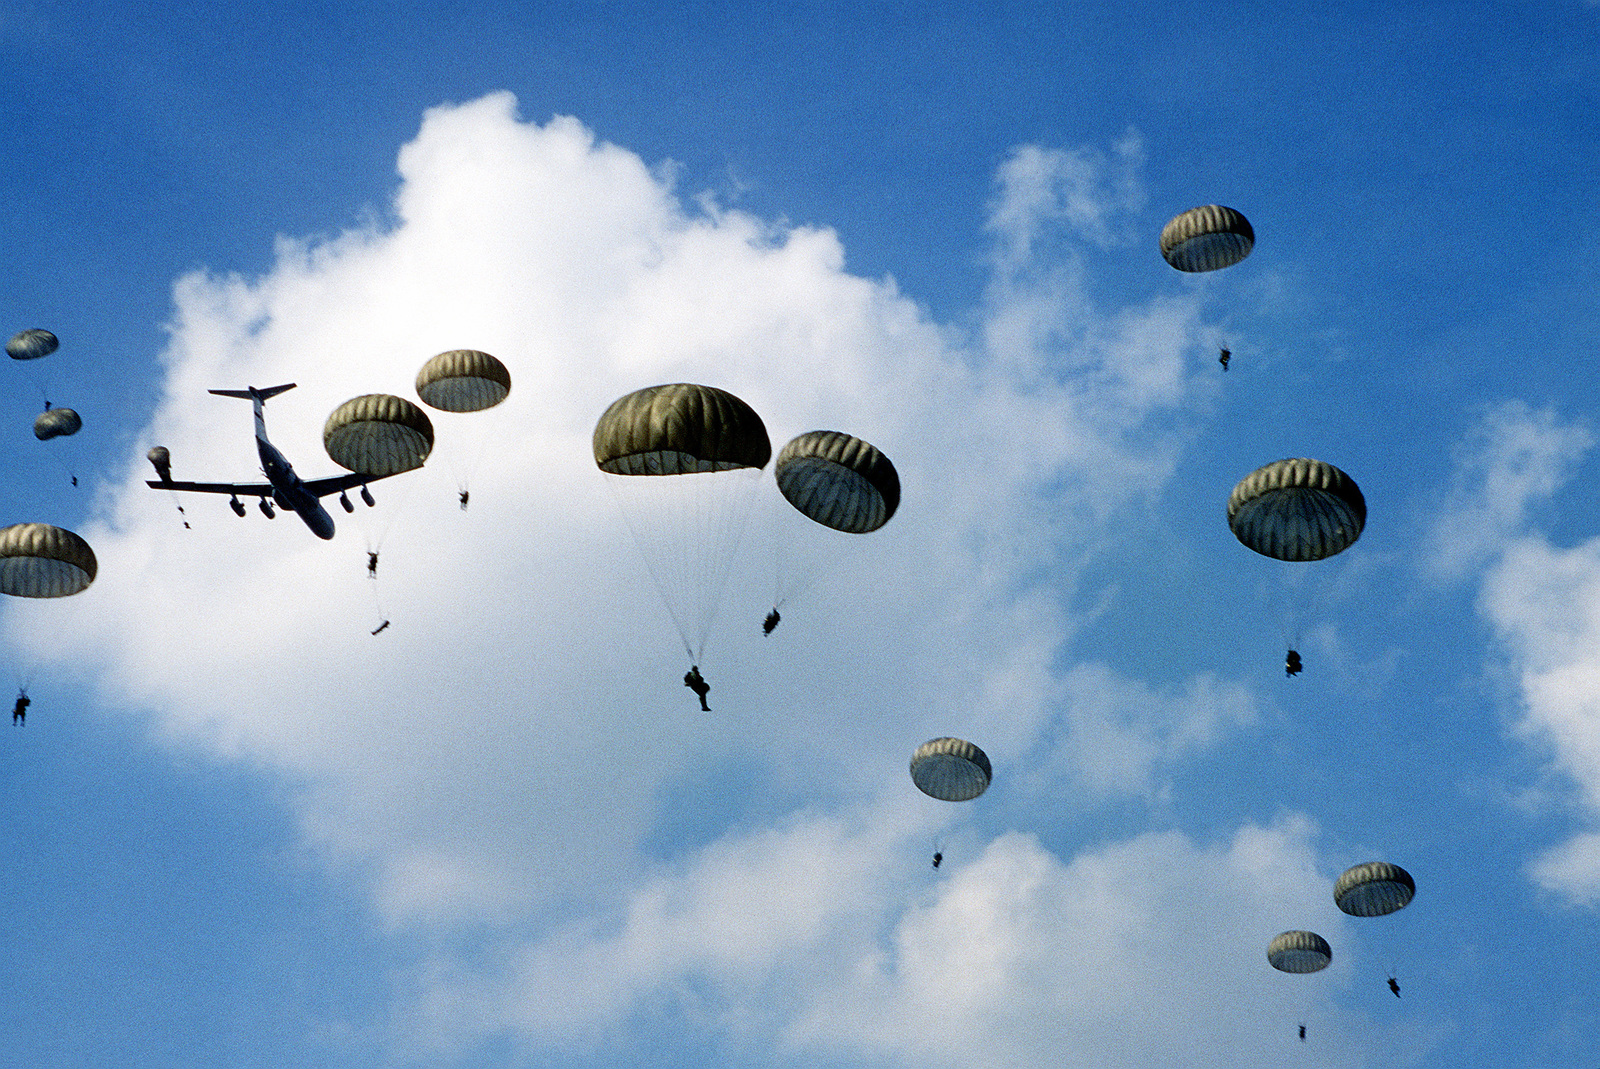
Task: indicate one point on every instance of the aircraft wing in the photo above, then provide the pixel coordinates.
(335, 483)
(237, 489)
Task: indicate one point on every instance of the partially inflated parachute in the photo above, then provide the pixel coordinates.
(56, 422)
(41, 561)
(1373, 889)
(378, 434)
(1297, 510)
(1207, 238)
(952, 770)
(839, 481)
(1299, 952)
(463, 380)
(31, 344)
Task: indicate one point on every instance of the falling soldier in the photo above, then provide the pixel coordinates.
(697, 683)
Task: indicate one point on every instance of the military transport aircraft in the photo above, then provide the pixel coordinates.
(283, 486)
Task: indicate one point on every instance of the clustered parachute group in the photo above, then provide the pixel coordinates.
(696, 439)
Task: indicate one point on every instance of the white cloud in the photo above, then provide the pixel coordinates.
(516, 755)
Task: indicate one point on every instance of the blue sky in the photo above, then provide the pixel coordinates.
(243, 831)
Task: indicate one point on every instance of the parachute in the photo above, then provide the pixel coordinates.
(161, 458)
(463, 380)
(1207, 238)
(1373, 889)
(31, 344)
(378, 434)
(41, 561)
(1297, 510)
(686, 528)
(952, 770)
(1299, 952)
(838, 481)
(55, 422)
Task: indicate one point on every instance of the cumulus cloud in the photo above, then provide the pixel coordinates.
(515, 757)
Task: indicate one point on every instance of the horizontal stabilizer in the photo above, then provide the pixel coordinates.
(250, 393)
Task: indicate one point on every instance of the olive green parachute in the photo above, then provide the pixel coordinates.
(41, 561)
(378, 434)
(1299, 952)
(161, 458)
(31, 344)
(1373, 889)
(1297, 510)
(463, 380)
(678, 429)
(1207, 238)
(839, 481)
(55, 422)
(952, 770)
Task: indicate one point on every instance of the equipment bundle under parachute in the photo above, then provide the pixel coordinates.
(378, 434)
(1207, 238)
(41, 561)
(951, 770)
(839, 481)
(1297, 510)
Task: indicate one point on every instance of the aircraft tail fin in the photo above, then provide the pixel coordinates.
(252, 394)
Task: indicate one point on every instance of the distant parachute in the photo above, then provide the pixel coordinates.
(1299, 952)
(378, 434)
(31, 344)
(161, 458)
(838, 481)
(1297, 510)
(687, 527)
(41, 561)
(55, 422)
(952, 770)
(463, 380)
(1373, 889)
(1207, 238)
(679, 429)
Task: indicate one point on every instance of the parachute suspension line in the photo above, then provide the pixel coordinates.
(663, 590)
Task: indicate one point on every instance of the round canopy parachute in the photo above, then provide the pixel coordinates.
(161, 457)
(54, 422)
(839, 481)
(378, 434)
(41, 561)
(677, 429)
(1373, 889)
(1207, 238)
(1297, 510)
(952, 770)
(31, 344)
(463, 380)
(1299, 952)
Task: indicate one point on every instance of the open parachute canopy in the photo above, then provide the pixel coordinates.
(1297, 510)
(1299, 952)
(31, 344)
(839, 481)
(55, 422)
(1207, 238)
(951, 770)
(378, 434)
(679, 429)
(463, 380)
(1373, 889)
(41, 561)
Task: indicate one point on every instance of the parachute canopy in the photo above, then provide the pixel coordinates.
(41, 561)
(1373, 889)
(1207, 238)
(1299, 952)
(952, 770)
(378, 434)
(839, 481)
(31, 344)
(463, 380)
(161, 457)
(54, 422)
(1297, 510)
(677, 429)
